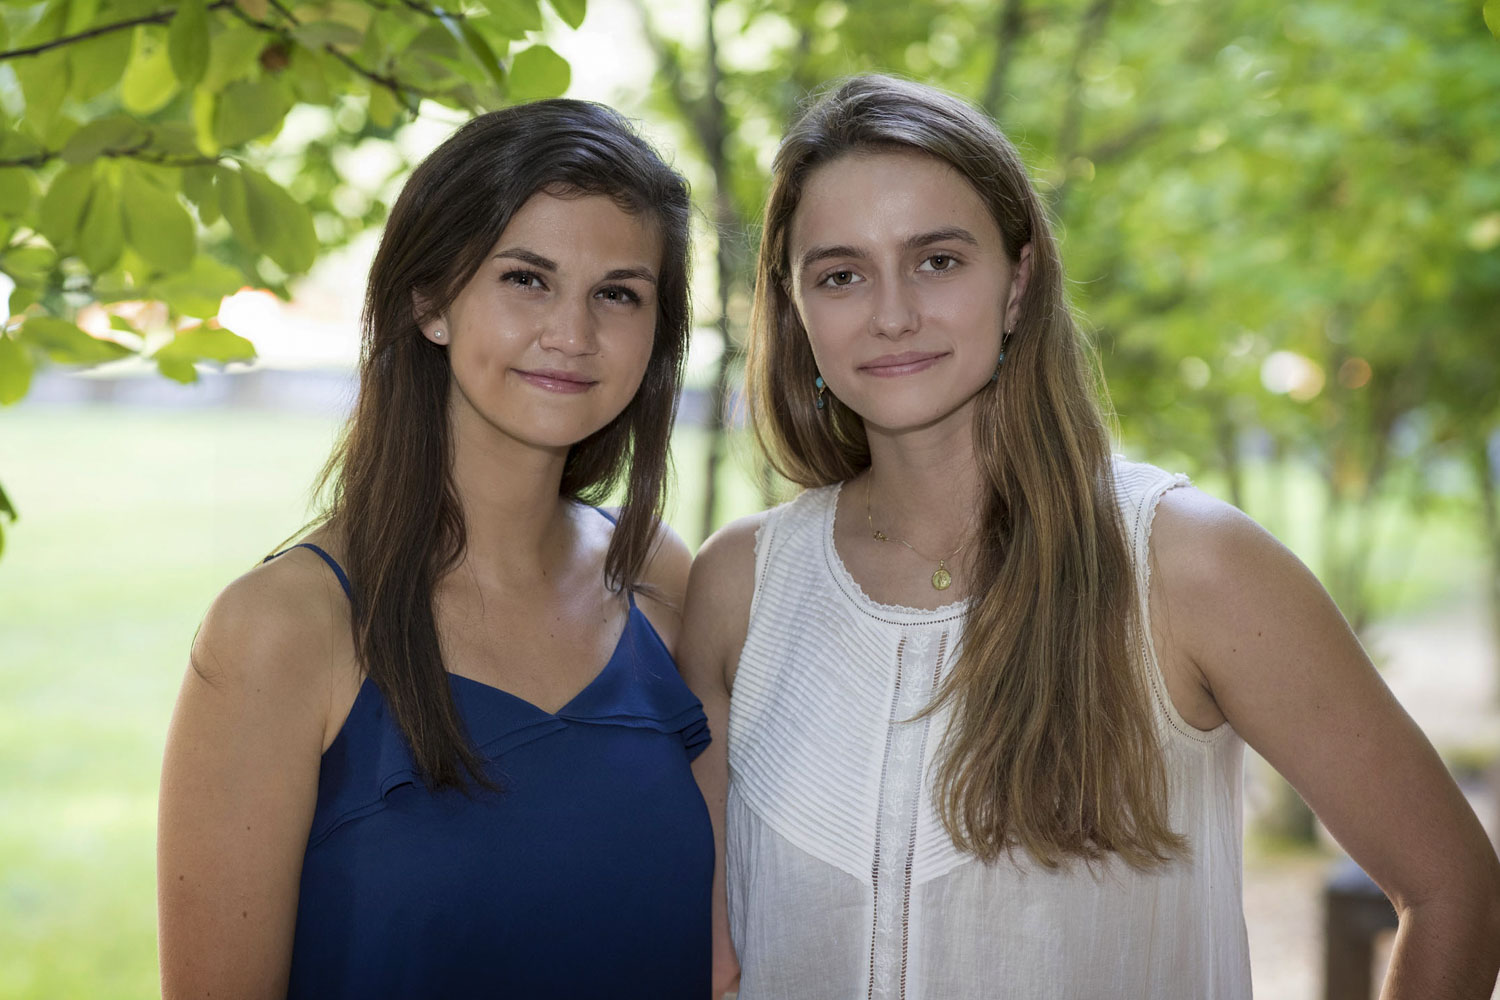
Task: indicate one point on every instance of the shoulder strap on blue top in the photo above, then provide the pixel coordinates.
(629, 593)
(338, 570)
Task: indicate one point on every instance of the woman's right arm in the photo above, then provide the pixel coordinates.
(715, 619)
(239, 782)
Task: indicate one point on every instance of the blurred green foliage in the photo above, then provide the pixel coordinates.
(1281, 221)
(139, 156)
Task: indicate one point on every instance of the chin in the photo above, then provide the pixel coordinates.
(894, 417)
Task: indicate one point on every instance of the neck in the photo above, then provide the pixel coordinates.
(924, 485)
(516, 524)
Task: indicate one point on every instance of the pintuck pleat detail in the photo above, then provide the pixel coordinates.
(842, 880)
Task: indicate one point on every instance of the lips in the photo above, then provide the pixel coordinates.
(905, 363)
(555, 380)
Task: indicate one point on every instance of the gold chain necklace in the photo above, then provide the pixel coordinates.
(941, 578)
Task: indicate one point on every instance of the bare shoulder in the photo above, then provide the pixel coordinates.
(1199, 541)
(283, 625)
(720, 589)
(665, 578)
(725, 565)
(667, 565)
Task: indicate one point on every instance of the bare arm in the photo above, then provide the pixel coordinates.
(715, 621)
(239, 781)
(1246, 630)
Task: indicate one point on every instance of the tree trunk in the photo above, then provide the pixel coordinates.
(726, 223)
(1483, 451)
(1007, 31)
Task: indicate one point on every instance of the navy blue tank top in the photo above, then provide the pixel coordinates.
(587, 876)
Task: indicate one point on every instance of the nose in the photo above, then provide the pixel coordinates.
(896, 313)
(571, 329)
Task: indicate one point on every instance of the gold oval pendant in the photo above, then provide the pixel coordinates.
(941, 579)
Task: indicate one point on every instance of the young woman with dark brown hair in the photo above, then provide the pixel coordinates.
(986, 724)
(440, 748)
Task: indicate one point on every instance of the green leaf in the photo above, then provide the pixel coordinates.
(538, 72)
(198, 186)
(178, 370)
(482, 52)
(317, 34)
(188, 42)
(156, 224)
(64, 204)
(571, 11)
(101, 237)
(148, 83)
(198, 290)
(44, 83)
(309, 82)
(18, 191)
(232, 55)
(1492, 16)
(202, 343)
(81, 15)
(15, 380)
(515, 17)
(442, 40)
(24, 296)
(6, 507)
(27, 264)
(293, 242)
(384, 108)
(116, 132)
(247, 110)
(268, 219)
(98, 63)
(64, 343)
(205, 103)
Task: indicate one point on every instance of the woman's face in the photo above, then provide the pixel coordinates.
(900, 276)
(549, 341)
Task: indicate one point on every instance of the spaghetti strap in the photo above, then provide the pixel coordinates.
(338, 570)
(629, 592)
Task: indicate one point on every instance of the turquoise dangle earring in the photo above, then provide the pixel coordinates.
(996, 377)
(822, 386)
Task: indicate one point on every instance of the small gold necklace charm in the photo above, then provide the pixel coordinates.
(941, 578)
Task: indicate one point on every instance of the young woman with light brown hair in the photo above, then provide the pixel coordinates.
(986, 686)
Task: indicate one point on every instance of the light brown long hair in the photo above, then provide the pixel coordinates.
(1051, 744)
(391, 495)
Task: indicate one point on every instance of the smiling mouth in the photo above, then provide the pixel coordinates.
(556, 381)
(907, 363)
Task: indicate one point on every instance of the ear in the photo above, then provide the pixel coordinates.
(434, 325)
(1018, 284)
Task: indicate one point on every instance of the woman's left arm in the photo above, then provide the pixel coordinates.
(1244, 629)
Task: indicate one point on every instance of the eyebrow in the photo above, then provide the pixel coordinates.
(951, 234)
(536, 260)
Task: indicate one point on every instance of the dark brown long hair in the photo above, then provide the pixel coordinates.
(1051, 745)
(389, 489)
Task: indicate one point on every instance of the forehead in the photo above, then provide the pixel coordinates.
(583, 228)
(873, 199)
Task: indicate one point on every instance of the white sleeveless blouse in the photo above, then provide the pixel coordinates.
(843, 883)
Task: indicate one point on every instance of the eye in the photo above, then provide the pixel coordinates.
(523, 279)
(839, 279)
(619, 293)
(939, 262)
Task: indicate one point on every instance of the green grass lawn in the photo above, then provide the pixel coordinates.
(131, 520)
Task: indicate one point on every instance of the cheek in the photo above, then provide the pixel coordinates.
(831, 325)
(976, 308)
